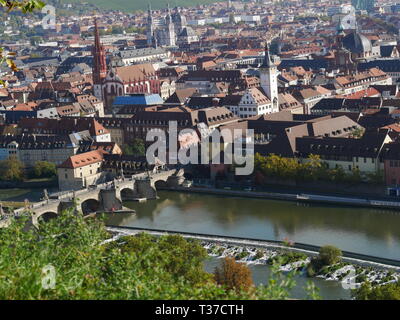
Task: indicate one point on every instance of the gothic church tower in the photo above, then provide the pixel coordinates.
(99, 70)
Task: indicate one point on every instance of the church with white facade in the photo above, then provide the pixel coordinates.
(264, 99)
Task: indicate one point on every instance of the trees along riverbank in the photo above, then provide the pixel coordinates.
(313, 169)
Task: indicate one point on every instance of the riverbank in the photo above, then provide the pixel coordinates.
(308, 198)
(352, 271)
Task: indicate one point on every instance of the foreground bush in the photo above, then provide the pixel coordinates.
(389, 291)
(234, 275)
(86, 266)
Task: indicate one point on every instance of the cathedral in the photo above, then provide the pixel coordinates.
(171, 31)
(353, 47)
(109, 83)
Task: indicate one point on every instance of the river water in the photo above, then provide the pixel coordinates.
(368, 231)
(362, 230)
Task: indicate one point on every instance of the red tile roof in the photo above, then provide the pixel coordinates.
(83, 159)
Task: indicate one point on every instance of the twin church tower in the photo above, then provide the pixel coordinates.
(166, 32)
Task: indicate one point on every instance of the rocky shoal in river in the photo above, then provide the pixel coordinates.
(288, 261)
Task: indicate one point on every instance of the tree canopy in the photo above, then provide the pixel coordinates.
(44, 169)
(234, 275)
(85, 264)
(11, 169)
(389, 291)
(135, 148)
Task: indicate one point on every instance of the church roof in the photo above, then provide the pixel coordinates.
(357, 43)
(136, 72)
(139, 99)
(187, 32)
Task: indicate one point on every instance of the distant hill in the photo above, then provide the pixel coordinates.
(132, 5)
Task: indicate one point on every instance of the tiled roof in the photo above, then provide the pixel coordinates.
(83, 159)
(137, 72)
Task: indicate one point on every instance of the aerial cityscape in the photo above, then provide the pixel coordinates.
(200, 150)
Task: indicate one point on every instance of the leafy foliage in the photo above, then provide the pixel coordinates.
(135, 148)
(330, 255)
(11, 169)
(23, 5)
(313, 169)
(44, 169)
(234, 275)
(89, 266)
(389, 291)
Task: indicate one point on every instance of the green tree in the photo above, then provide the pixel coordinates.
(134, 148)
(88, 266)
(389, 291)
(329, 255)
(44, 169)
(376, 177)
(358, 132)
(354, 176)
(12, 169)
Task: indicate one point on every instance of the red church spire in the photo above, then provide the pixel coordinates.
(99, 58)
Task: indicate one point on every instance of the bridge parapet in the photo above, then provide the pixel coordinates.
(142, 184)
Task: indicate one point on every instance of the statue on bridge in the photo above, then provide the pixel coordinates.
(45, 194)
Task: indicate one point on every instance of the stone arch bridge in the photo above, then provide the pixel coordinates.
(105, 197)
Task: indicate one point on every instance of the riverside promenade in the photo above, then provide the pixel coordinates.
(299, 197)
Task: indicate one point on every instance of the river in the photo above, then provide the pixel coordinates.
(362, 230)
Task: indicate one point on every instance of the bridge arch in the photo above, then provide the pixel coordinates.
(127, 193)
(160, 184)
(46, 216)
(90, 205)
